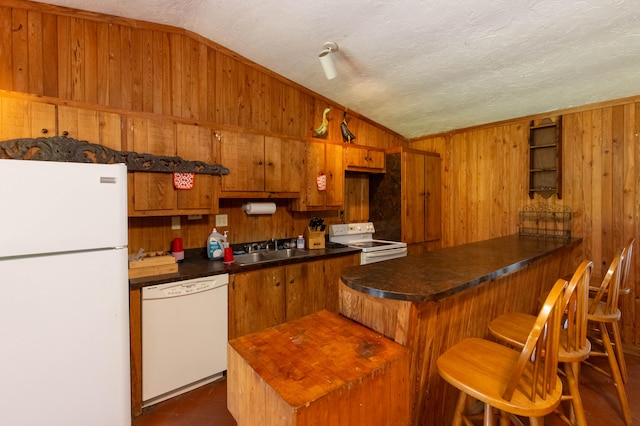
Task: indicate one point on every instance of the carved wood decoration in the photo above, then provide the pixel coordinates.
(60, 148)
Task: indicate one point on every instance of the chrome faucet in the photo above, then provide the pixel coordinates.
(271, 241)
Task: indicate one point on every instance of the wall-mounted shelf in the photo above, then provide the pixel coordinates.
(545, 157)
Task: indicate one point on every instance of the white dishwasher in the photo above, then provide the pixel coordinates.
(184, 336)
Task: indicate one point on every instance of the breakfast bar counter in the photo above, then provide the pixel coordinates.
(430, 301)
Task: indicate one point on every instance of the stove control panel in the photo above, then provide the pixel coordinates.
(343, 229)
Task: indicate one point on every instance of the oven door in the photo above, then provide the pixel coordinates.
(367, 257)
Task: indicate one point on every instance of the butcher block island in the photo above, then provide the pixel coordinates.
(429, 302)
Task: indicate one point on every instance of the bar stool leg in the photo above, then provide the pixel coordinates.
(572, 372)
(460, 407)
(615, 373)
(617, 341)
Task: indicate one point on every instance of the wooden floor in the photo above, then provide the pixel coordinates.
(207, 406)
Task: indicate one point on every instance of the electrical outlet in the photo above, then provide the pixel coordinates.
(342, 215)
(222, 220)
(175, 222)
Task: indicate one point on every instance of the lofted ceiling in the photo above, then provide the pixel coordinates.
(421, 67)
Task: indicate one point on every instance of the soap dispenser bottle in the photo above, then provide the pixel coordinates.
(215, 247)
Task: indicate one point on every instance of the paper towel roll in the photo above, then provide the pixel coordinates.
(259, 208)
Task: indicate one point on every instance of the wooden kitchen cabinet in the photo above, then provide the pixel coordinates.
(405, 202)
(256, 301)
(267, 297)
(21, 118)
(153, 193)
(306, 289)
(332, 268)
(99, 127)
(260, 166)
(364, 159)
(324, 160)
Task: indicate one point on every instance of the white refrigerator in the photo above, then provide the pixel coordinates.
(64, 294)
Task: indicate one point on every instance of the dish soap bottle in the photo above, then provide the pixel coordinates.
(215, 248)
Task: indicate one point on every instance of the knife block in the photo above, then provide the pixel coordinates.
(314, 239)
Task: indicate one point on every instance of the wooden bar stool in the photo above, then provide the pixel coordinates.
(521, 383)
(604, 311)
(513, 328)
(625, 289)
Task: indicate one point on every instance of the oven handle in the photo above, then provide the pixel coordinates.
(385, 253)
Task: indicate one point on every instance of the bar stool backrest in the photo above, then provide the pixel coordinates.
(575, 322)
(536, 370)
(610, 287)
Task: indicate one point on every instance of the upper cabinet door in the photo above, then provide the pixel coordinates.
(152, 191)
(25, 119)
(104, 128)
(364, 159)
(335, 175)
(195, 143)
(243, 155)
(414, 193)
(315, 159)
(284, 164)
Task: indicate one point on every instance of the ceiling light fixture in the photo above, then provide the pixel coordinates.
(326, 61)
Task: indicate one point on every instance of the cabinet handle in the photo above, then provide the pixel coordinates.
(277, 283)
(65, 133)
(45, 131)
(259, 163)
(292, 281)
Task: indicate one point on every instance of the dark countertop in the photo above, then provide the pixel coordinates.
(196, 265)
(437, 274)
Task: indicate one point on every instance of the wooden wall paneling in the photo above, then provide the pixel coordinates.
(279, 112)
(147, 64)
(202, 80)
(90, 80)
(631, 214)
(290, 111)
(189, 67)
(603, 132)
(103, 61)
(176, 95)
(76, 49)
(50, 54)
(115, 63)
(35, 43)
(126, 68)
(20, 46)
(633, 217)
(224, 75)
(6, 48)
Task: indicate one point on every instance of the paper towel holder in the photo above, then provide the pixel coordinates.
(259, 208)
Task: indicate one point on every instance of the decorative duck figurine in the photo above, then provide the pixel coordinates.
(347, 136)
(322, 129)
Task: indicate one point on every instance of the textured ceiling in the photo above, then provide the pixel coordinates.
(421, 67)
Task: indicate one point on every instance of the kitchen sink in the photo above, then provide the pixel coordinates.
(268, 256)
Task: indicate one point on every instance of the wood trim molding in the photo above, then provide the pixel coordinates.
(60, 148)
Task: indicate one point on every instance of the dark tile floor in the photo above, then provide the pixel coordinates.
(207, 406)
